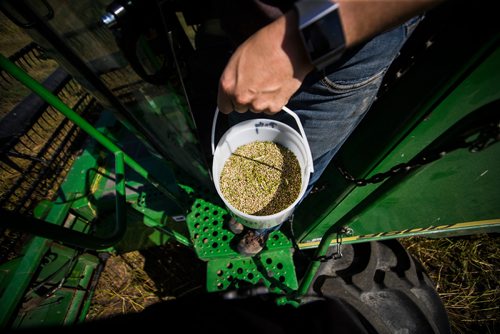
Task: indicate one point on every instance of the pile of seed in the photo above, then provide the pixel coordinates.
(261, 178)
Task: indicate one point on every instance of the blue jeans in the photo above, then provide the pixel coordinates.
(331, 104)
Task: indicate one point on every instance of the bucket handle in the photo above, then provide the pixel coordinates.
(310, 165)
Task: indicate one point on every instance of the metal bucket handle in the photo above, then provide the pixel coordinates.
(310, 166)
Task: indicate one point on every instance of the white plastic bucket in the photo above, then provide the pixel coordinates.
(262, 130)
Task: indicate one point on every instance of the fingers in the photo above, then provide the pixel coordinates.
(229, 104)
(223, 101)
(239, 107)
(228, 101)
(252, 101)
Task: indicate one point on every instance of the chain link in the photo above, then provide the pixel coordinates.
(341, 231)
(488, 135)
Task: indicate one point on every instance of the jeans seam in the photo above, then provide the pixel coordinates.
(343, 87)
(412, 24)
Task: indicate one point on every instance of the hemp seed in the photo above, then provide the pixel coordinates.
(261, 178)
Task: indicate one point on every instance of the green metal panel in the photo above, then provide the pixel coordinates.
(30, 291)
(58, 290)
(458, 188)
(18, 280)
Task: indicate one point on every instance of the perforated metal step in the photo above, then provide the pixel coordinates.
(273, 269)
(226, 268)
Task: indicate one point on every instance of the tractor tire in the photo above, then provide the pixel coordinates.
(385, 285)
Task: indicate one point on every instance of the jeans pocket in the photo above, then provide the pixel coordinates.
(345, 86)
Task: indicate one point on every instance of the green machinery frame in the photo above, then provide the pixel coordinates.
(428, 198)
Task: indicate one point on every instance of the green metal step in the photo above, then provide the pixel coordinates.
(226, 268)
(273, 269)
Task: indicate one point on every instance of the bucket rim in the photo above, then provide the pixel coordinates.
(281, 215)
(301, 132)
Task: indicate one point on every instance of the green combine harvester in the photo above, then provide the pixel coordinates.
(132, 97)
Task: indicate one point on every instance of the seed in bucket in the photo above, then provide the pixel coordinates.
(261, 178)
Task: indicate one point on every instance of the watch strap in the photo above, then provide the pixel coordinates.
(321, 31)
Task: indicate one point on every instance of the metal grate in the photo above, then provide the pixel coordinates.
(273, 269)
(226, 268)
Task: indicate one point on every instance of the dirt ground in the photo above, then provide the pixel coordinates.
(134, 280)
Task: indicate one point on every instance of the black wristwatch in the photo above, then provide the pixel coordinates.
(321, 31)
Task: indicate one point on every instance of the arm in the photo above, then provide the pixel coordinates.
(364, 19)
(269, 67)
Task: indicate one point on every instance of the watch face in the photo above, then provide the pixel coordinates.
(323, 36)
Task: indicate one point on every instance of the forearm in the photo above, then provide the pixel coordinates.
(362, 20)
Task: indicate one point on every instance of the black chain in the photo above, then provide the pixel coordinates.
(488, 135)
(341, 231)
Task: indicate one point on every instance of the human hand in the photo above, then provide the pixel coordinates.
(266, 70)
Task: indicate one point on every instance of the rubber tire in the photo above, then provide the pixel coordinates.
(385, 285)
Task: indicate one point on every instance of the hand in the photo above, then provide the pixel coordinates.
(266, 70)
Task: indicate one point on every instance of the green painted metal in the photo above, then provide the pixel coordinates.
(121, 220)
(453, 230)
(83, 175)
(37, 265)
(313, 267)
(93, 281)
(454, 193)
(156, 213)
(206, 226)
(58, 289)
(75, 237)
(273, 269)
(457, 188)
(460, 187)
(19, 279)
(180, 238)
(54, 101)
(213, 242)
(212, 239)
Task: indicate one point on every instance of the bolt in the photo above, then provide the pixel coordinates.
(347, 231)
(108, 19)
